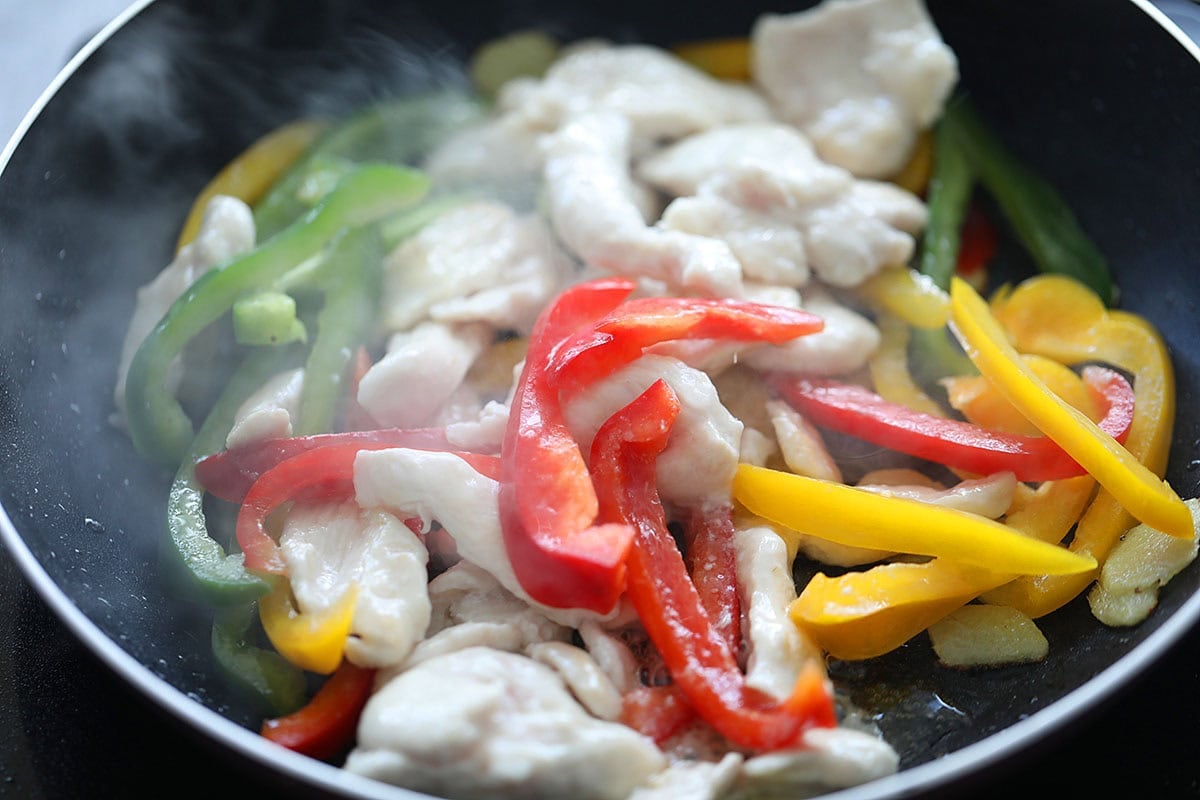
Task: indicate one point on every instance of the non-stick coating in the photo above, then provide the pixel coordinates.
(1096, 95)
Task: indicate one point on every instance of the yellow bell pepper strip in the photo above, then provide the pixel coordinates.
(727, 59)
(249, 175)
(1060, 318)
(908, 295)
(916, 172)
(857, 411)
(1138, 489)
(866, 614)
(978, 399)
(851, 516)
(325, 727)
(889, 369)
(270, 682)
(312, 641)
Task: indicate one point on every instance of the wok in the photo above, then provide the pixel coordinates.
(1099, 96)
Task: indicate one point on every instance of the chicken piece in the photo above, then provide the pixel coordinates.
(481, 723)
(483, 434)
(593, 210)
(843, 346)
(330, 548)
(443, 487)
(499, 150)
(268, 413)
(987, 636)
(662, 96)
(421, 371)
(989, 496)
(697, 466)
(612, 655)
(832, 758)
(471, 609)
(582, 675)
(227, 230)
(860, 77)
(801, 444)
(762, 189)
(779, 650)
(478, 262)
(690, 779)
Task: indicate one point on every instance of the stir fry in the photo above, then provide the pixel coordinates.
(536, 397)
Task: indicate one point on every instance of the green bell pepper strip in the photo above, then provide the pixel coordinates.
(393, 132)
(157, 423)
(276, 687)
(200, 560)
(351, 279)
(950, 188)
(1039, 215)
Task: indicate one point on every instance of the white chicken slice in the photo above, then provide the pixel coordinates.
(779, 651)
(989, 496)
(762, 189)
(484, 433)
(582, 675)
(480, 261)
(844, 345)
(692, 779)
(481, 723)
(443, 487)
(662, 96)
(227, 230)
(696, 468)
(268, 413)
(330, 548)
(832, 758)
(612, 655)
(421, 371)
(860, 77)
(593, 210)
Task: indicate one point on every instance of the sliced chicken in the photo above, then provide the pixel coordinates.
(329, 549)
(832, 758)
(478, 262)
(268, 413)
(582, 675)
(422, 370)
(481, 723)
(843, 346)
(227, 230)
(593, 209)
(701, 456)
(692, 779)
(860, 77)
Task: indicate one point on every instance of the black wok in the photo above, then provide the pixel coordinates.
(1097, 95)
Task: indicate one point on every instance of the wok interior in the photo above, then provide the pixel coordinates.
(1104, 103)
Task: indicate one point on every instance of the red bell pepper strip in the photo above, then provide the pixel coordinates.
(858, 411)
(326, 726)
(659, 712)
(623, 335)
(712, 562)
(324, 474)
(229, 474)
(977, 245)
(666, 600)
(547, 503)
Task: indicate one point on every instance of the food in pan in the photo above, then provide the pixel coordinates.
(535, 399)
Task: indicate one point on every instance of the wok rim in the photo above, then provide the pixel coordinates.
(942, 772)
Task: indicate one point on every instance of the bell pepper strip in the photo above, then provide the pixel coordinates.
(267, 319)
(1038, 214)
(1059, 318)
(950, 187)
(391, 132)
(1140, 491)
(889, 369)
(547, 501)
(726, 59)
(866, 614)
(659, 712)
(275, 686)
(253, 172)
(157, 423)
(914, 176)
(325, 727)
(635, 325)
(977, 246)
(978, 399)
(229, 474)
(313, 641)
(323, 474)
(711, 560)
(190, 552)
(700, 662)
(351, 281)
(855, 517)
(855, 410)
(907, 295)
